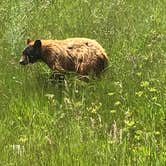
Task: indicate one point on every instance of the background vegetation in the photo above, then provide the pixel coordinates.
(117, 120)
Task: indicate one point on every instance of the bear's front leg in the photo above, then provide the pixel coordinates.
(56, 76)
(58, 73)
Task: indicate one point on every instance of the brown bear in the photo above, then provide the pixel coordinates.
(81, 55)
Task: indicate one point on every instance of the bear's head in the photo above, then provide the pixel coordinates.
(31, 53)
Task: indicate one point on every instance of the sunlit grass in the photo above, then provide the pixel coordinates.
(116, 120)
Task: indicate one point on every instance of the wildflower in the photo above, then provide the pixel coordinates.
(139, 93)
(129, 123)
(111, 94)
(144, 84)
(50, 96)
(23, 139)
(139, 74)
(113, 111)
(154, 98)
(117, 103)
(152, 89)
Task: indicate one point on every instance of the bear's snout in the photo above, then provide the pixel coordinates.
(23, 60)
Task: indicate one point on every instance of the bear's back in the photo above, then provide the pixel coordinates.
(77, 54)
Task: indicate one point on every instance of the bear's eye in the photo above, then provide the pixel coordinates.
(28, 50)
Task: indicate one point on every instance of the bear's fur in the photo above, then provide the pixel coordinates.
(81, 55)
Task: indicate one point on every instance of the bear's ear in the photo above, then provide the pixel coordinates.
(28, 41)
(37, 44)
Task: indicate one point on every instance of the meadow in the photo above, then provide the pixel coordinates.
(117, 120)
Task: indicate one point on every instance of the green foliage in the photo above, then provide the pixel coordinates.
(118, 119)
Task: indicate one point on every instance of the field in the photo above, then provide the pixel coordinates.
(117, 120)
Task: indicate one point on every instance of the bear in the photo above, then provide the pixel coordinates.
(80, 55)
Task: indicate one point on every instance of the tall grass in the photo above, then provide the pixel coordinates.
(116, 120)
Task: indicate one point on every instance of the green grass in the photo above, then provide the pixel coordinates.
(116, 120)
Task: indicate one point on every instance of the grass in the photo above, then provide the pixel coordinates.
(117, 120)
